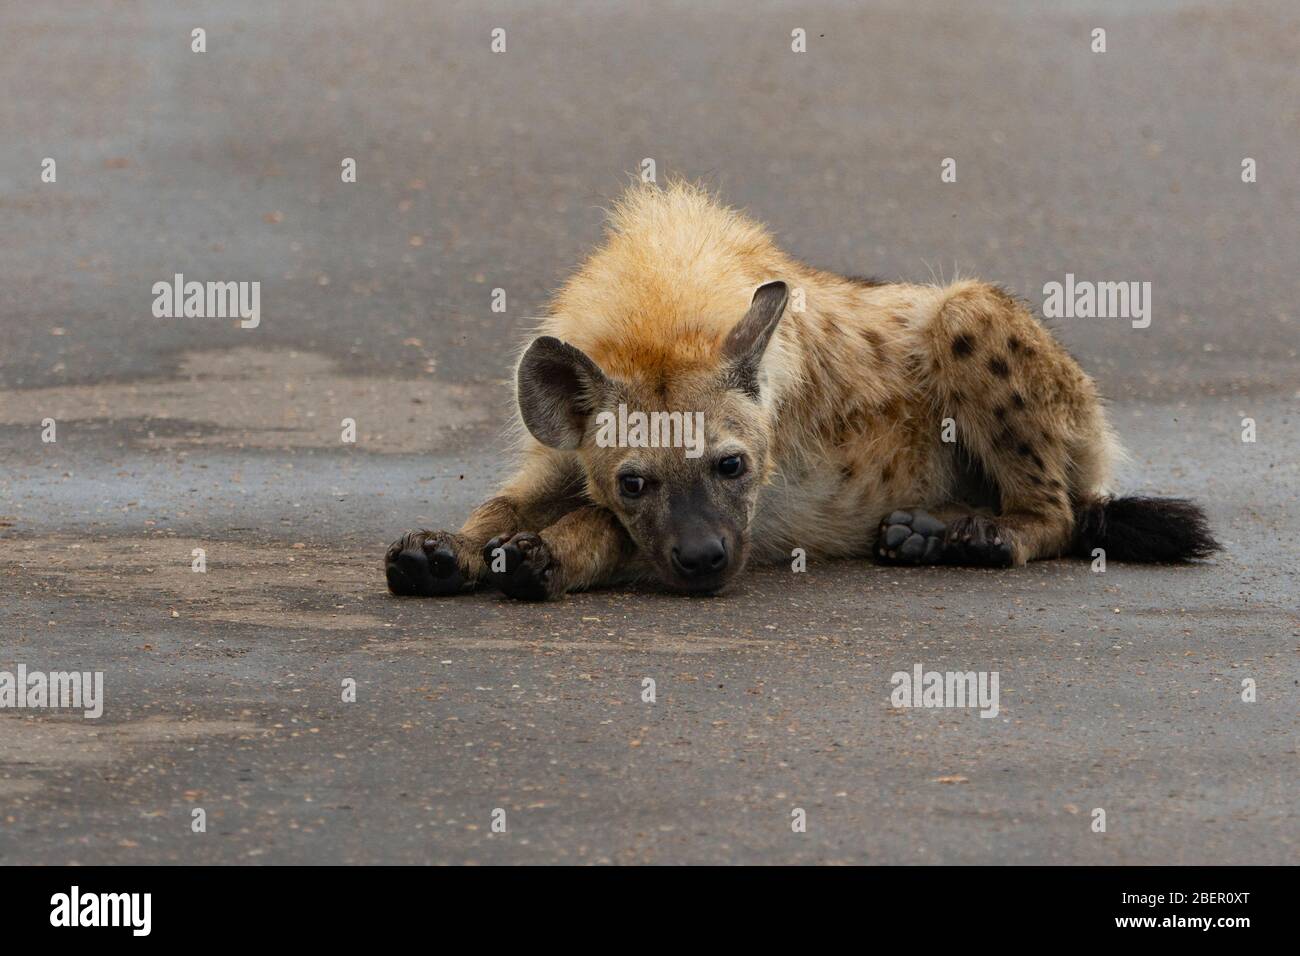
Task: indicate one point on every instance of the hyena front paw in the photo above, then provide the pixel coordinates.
(915, 537)
(423, 564)
(522, 566)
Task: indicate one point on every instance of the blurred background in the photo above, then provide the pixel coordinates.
(1122, 165)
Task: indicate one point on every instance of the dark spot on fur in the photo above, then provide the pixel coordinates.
(867, 282)
(887, 474)
(873, 338)
(898, 319)
(962, 346)
(999, 367)
(1038, 462)
(847, 471)
(1017, 400)
(1014, 344)
(1024, 450)
(1000, 412)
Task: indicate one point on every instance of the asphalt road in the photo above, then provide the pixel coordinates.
(1119, 690)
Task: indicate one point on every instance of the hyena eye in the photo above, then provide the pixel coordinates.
(631, 485)
(733, 466)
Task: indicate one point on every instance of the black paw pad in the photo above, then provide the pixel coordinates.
(911, 537)
(423, 564)
(521, 566)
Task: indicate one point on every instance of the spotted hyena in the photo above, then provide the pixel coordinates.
(915, 424)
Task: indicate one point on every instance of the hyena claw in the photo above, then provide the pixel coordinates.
(423, 564)
(977, 541)
(521, 565)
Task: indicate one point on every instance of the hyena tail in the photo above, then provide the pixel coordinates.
(1149, 530)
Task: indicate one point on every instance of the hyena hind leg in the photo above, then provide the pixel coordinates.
(1025, 413)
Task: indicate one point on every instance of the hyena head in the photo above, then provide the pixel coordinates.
(678, 455)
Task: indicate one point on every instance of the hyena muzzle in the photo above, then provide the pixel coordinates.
(914, 424)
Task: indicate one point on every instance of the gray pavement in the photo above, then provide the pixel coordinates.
(1119, 691)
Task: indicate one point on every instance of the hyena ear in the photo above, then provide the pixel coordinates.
(558, 388)
(746, 343)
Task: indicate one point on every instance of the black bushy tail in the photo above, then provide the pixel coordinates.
(1154, 530)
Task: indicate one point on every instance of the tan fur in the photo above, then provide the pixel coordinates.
(853, 392)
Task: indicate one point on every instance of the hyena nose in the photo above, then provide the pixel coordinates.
(699, 558)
